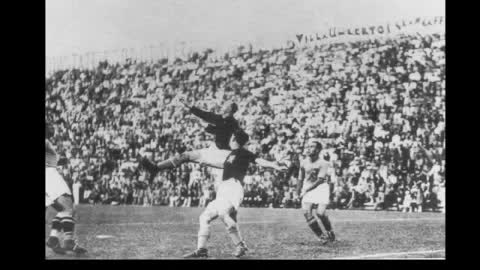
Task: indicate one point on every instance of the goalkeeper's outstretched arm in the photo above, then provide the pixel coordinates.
(204, 115)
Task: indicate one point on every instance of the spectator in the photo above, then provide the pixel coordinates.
(174, 197)
(408, 201)
(371, 103)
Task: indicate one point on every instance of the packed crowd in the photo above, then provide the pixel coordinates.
(371, 103)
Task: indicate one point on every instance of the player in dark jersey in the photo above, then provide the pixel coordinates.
(220, 125)
(59, 196)
(230, 195)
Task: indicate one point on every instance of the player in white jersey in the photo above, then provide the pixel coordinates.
(315, 192)
(59, 196)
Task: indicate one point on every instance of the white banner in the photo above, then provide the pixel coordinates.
(420, 25)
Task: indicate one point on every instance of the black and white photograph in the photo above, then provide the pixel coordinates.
(245, 130)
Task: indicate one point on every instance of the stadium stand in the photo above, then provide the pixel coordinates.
(372, 104)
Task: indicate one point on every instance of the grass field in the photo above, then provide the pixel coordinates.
(135, 232)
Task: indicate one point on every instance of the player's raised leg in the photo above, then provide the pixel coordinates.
(212, 157)
(171, 163)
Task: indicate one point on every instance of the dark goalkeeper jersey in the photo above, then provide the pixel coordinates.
(236, 164)
(221, 128)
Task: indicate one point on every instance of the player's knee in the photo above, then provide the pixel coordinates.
(205, 218)
(204, 229)
(307, 207)
(322, 211)
(230, 223)
(64, 203)
(308, 215)
(204, 221)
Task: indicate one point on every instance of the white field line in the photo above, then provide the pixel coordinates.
(389, 255)
(240, 222)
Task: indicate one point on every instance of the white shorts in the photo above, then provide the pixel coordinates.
(319, 195)
(55, 186)
(218, 176)
(213, 156)
(229, 195)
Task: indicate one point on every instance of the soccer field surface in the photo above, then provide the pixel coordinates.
(136, 232)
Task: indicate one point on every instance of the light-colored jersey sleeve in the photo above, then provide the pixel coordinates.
(51, 158)
(49, 147)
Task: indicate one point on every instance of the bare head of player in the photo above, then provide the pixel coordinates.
(238, 139)
(313, 149)
(229, 109)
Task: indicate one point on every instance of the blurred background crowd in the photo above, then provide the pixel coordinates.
(373, 104)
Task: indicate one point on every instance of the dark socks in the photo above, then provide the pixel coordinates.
(313, 224)
(326, 222)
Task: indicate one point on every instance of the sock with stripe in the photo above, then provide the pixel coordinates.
(56, 227)
(68, 227)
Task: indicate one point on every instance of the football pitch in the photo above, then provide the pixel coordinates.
(136, 232)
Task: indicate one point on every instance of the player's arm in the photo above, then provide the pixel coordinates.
(204, 115)
(313, 186)
(49, 147)
(317, 182)
(269, 164)
(300, 180)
